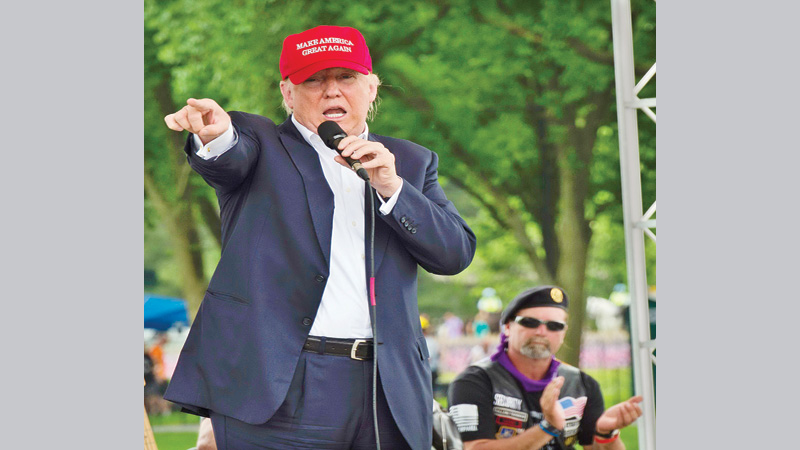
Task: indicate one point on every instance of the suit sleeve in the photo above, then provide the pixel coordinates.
(230, 169)
(430, 226)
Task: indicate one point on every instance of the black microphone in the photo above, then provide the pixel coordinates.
(332, 134)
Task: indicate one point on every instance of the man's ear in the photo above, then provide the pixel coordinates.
(373, 87)
(286, 91)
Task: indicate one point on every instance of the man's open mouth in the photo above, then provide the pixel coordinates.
(334, 113)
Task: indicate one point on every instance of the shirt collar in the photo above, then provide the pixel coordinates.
(313, 139)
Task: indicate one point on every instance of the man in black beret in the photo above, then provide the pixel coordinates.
(523, 397)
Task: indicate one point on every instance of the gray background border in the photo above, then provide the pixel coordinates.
(72, 228)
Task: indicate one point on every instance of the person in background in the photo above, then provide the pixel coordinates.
(480, 350)
(523, 397)
(480, 325)
(490, 306)
(452, 327)
(205, 436)
(433, 351)
(157, 354)
(153, 390)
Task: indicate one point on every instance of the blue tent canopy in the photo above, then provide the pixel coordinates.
(161, 313)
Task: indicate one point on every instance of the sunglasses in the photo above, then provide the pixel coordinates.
(530, 322)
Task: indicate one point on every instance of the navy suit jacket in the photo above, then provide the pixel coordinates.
(277, 216)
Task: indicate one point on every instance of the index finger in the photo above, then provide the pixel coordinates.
(203, 104)
(172, 123)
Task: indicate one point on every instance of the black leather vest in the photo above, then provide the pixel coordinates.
(513, 414)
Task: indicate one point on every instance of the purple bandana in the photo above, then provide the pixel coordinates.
(501, 357)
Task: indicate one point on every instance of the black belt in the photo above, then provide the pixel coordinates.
(359, 349)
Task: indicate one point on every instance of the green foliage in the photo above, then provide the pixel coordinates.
(497, 89)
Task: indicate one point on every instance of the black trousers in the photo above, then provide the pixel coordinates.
(329, 406)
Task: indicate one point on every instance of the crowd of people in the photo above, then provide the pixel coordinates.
(155, 376)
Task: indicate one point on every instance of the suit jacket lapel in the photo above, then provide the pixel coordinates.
(317, 191)
(382, 230)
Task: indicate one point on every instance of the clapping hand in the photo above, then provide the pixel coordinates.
(619, 416)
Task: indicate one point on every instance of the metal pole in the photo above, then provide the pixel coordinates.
(627, 101)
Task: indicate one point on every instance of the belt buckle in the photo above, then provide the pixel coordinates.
(354, 348)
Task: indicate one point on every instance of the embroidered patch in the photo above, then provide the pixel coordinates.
(509, 417)
(465, 416)
(573, 407)
(571, 426)
(509, 402)
(507, 432)
(507, 421)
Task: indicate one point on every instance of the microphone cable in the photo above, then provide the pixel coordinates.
(372, 214)
(332, 134)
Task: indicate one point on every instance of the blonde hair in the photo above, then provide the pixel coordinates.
(373, 106)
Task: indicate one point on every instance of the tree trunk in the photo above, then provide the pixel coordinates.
(184, 240)
(210, 216)
(573, 249)
(176, 210)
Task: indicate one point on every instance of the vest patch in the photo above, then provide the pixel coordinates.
(573, 411)
(571, 426)
(509, 417)
(573, 407)
(507, 432)
(465, 416)
(509, 402)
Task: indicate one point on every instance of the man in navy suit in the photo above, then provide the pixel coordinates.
(280, 352)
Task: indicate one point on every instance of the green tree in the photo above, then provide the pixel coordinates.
(515, 96)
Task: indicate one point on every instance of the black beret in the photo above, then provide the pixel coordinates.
(538, 296)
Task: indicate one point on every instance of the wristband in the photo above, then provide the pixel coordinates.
(549, 429)
(610, 434)
(606, 438)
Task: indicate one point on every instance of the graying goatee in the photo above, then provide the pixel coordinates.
(536, 349)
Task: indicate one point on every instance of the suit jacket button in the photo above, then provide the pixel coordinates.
(403, 220)
(306, 321)
(319, 278)
(413, 230)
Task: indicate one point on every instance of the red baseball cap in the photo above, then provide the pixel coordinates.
(323, 47)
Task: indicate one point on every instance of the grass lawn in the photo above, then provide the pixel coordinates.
(176, 418)
(186, 440)
(175, 440)
(630, 436)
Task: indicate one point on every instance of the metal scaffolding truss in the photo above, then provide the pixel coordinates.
(637, 225)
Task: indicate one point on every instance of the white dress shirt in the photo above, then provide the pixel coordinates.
(344, 309)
